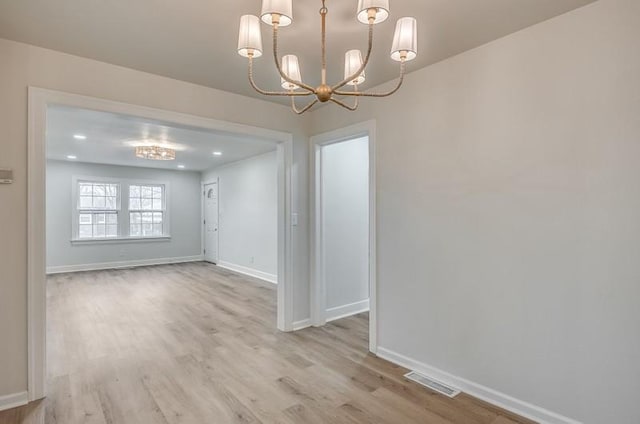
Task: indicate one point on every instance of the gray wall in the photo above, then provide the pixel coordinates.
(183, 207)
(508, 213)
(248, 212)
(345, 219)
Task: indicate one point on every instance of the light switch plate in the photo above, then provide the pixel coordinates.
(6, 176)
(294, 219)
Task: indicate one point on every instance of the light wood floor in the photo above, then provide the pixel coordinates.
(193, 343)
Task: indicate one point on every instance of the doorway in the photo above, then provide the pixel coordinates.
(40, 100)
(210, 222)
(343, 232)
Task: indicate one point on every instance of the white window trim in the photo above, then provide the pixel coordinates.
(119, 240)
(123, 210)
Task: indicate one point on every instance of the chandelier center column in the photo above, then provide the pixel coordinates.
(324, 92)
(323, 15)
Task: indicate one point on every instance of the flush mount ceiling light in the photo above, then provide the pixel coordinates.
(155, 153)
(279, 13)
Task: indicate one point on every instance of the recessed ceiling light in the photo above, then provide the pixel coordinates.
(181, 166)
(72, 157)
(217, 153)
(80, 137)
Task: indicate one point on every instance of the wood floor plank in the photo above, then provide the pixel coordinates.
(195, 344)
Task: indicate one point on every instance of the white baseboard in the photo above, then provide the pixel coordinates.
(13, 400)
(300, 325)
(271, 278)
(347, 310)
(501, 400)
(122, 264)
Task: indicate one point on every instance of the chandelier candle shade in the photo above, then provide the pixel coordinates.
(291, 68)
(250, 40)
(279, 13)
(379, 7)
(352, 63)
(405, 40)
(155, 153)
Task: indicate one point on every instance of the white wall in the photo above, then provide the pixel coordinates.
(345, 222)
(23, 66)
(183, 208)
(508, 204)
(248, 213)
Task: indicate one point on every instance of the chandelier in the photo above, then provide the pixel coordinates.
(155, 153)
(279, 13)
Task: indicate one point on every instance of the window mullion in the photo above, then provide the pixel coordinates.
(124, 229)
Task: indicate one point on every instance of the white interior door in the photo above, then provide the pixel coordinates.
(211, 222)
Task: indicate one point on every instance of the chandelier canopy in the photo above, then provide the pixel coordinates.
(279, 13)
(155, 153)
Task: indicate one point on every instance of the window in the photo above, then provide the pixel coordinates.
(98, 225)
(97, 210)
(146, 210)
(112, 209)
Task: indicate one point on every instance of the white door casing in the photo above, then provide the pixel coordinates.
(39, 100)
(318, 287)
(211, 222)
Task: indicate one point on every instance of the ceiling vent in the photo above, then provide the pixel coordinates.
(432, 384)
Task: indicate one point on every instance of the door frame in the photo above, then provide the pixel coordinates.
(39, 100)
(203, 214)
(318, 284)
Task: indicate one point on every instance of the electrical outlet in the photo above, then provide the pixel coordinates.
(122, 253)
(251, 259)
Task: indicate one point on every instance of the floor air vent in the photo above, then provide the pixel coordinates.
(432, 384)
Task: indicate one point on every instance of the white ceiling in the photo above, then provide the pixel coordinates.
(110, 139)
(196, 40)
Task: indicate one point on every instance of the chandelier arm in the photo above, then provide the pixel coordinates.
(388, 93)
(344, 105)
(364, 64)
(304, 109)
(279, 68)
(291, 94)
